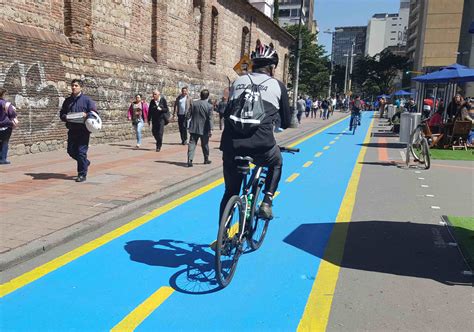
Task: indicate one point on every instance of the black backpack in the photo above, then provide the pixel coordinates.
(246, 113)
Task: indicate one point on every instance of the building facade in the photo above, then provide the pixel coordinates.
(265, 6)
(289, 12)
(434, 33)
(342, 40)
(120, 48)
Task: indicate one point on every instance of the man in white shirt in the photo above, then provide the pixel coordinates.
(181, 106)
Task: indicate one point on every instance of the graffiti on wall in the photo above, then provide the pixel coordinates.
(37, 101)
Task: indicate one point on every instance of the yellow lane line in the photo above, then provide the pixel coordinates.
(317, 132)
(319, 154)
(276, 194)
(140, 313)
(68, 257)
(60, 261)
(292, 177)
(332, 142)
(318, 307)
(326, 147)
(307, 164)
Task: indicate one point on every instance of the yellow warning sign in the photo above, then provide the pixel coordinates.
(244, 65)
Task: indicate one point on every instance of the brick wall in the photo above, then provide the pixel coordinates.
(119, 48)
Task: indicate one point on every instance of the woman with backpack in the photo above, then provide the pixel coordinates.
(137, 113)
(8, 121)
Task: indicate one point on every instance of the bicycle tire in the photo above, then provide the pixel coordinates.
(354, 124)
(426, 153)
(415, 146)
(230, 246)
(258, 226)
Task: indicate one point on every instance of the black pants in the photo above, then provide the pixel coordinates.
(4, 140)
(233, 180)
(183, 130)
(77, 146)
(157, 129)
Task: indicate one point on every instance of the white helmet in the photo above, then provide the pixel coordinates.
(93, 122)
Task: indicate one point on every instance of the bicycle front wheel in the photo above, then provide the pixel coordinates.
(258, 226)
(426, 153)
(228, 244)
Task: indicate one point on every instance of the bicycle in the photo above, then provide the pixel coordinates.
(355, 123)
(240, 222)
(418, 146)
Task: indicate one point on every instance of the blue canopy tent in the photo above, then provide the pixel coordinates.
(451, 74)
(383, 96)
(402, 93)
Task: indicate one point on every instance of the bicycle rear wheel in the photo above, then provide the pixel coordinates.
(354, 124)
(258, 227)
(426, 153)
(228, 244)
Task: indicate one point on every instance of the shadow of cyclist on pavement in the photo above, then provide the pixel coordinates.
(198, 274)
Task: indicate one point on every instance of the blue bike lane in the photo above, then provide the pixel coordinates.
(160, 276)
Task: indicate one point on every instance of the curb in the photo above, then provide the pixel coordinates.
(40, 246)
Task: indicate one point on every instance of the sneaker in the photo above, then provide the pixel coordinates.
(190, 164)
(137, 146)
(265, 211)
(158, 150)
(81, 178)
(5, 162)
(184, 142)
(207, 161)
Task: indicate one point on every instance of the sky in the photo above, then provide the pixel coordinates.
(332, 13)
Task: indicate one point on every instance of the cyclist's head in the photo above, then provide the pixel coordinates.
(264, 58)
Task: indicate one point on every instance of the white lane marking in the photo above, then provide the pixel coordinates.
(424, 186)
(434, 207)
(452, 244)
(417, 172)
(421, 178)
(429, 195)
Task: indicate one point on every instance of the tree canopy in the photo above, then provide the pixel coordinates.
(314, 66)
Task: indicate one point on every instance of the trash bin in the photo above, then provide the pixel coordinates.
(390, 111)
(408, 123)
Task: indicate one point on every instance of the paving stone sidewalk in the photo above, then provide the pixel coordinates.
(40, 197)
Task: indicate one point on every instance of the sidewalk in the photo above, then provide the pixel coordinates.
(42, 206)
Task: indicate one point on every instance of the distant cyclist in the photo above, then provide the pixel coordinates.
(260, 144)
(355, 110)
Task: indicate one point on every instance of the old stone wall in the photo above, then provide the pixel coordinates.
(119, 48)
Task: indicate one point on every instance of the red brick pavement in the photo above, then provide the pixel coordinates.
(39, 195)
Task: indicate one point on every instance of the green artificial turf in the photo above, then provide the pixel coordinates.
(449, 154)
(464, 233)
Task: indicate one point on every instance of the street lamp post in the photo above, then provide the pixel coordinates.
(345, 75)
(294, 119)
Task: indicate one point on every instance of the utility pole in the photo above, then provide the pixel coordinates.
(352, 64)
(294, 120)
(345, 75)
(330, 77)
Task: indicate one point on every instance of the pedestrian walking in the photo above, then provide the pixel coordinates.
(200, 127)
(300, 107)
(221, 109)
(8, 121)
(314, 108)
(181, 107)
(308, 105)
(75, 109)
(333, 104)
(325, 107)
(138, 114)
(158, 117)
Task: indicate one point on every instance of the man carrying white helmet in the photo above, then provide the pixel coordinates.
(259, 143)
(75, 110)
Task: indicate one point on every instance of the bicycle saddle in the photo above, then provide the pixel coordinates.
(243, 164)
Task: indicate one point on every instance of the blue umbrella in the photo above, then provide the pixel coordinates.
(453, 73)
(402, 93)
(383, 96)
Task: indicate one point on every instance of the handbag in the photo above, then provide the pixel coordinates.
(6, 106)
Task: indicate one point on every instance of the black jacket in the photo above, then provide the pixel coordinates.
(154, 114)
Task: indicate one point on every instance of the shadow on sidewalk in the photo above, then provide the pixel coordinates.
(198, 274)
(176, 163)
(49, 176)
(381, 163)
(384, 145)
(398, 248)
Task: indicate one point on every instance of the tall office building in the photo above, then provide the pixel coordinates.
(387, 30)
(265, 6)
(434, 32)
(342, 43)
(290, 12)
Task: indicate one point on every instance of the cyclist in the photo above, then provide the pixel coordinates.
(261, 144)
(355, 110)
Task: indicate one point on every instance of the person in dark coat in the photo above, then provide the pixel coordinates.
(200, 127)
(78, 135)
(158, 117)
(8, 121)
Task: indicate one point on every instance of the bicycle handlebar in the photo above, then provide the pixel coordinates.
(288, 149)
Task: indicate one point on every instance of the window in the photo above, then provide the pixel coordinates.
(295, 12)
(245, 45)
(284, 12)
(214, 26)
(198, 21)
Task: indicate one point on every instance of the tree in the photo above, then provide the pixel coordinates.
(314, 66)
(375, 75)
(276, 11)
